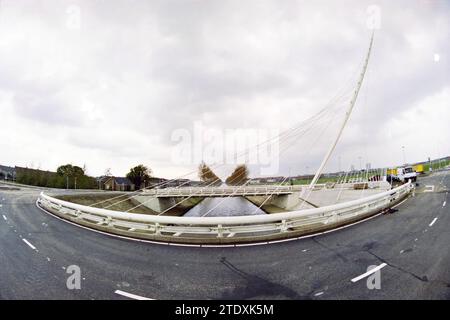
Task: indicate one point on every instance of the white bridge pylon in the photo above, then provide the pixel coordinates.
(347, 116)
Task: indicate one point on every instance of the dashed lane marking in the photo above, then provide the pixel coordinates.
(432, 222)
(29, 244)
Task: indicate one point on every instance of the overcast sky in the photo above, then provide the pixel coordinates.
(107, 84)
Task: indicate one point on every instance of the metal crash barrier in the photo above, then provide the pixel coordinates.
(225, 230)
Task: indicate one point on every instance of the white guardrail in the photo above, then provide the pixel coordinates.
(225, 229)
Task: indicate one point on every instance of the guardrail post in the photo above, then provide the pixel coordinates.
(283, 226)
(332, 218)
(157, 229)
(219, 231)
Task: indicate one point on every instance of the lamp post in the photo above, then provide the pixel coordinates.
(403, 151)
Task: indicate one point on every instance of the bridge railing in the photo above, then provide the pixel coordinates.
(224, 229)
(244, 190)
(201, 191)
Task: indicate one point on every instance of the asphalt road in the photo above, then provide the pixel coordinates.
(413, 242)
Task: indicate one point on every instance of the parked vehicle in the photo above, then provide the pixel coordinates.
(406, 173)
(419, 168)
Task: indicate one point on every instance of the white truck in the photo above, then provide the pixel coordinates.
(406, 173)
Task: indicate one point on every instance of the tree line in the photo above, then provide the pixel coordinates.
(66, 176)
(73, 177)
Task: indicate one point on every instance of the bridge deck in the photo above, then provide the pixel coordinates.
(223, 191)
(240, 191)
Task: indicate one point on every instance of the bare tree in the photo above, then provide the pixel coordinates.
(207, 175)
(239, 176)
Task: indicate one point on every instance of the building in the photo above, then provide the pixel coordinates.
(7, 173)
(268, 180)
(154, 182)
(124, 184)
(179, 183)
(115, 184)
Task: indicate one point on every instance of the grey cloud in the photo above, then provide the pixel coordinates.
(148, 68)
(45, 109)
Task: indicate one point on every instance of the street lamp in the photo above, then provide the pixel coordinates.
(403, 151)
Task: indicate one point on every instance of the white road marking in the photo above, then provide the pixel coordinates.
(432, 222)
(393, 207)
(130, 295)
(318, 294)
(29, 244)
(445, 202)
(368, 273)
(430, 188)
(4, 218)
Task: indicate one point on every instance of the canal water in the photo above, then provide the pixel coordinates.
(231, 206)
